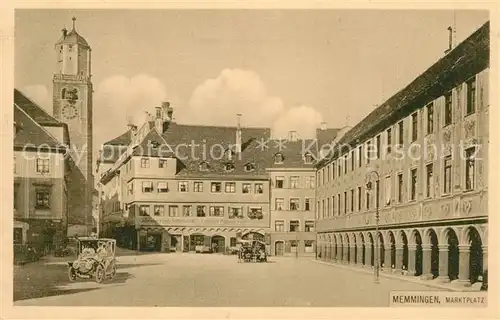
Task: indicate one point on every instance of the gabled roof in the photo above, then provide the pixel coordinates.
(200, 140)
(111, 153)
(122, 140)
(30, 133)
(326, 136)
(467, 59)
(153, 145)
(37, 113)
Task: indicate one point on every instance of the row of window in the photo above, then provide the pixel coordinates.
(293, 226)
(293, 204)
(279, 158)
(183, 186)
(204, 166)
(292, 246)
(295, 182)
(374, 152)
(234, 212)
(333, 205)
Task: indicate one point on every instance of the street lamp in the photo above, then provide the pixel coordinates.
(376, 251)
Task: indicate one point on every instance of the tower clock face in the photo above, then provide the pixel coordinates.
(69, 112)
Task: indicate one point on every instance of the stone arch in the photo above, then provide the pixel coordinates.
(381, 248)
(218, 243)
(253, 235)
(391, 248)
(371, 241)
(354, 246)
(403, 243)
(416, 241)
(341, 247)
(347, 243)
(476, 257)
(444, 234)
(330, 246)
(415, 236)
(431, 239)
(450, 241)
(362, 247)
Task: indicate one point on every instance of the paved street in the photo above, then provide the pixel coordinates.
(177, 280)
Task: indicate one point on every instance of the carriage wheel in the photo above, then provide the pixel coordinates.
(99, 274)
(113, 272)
(71, 274)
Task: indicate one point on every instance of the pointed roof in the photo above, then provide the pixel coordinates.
(30, 133)
(36, 112)
(72, 37)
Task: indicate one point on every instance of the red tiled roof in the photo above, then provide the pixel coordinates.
(468, 58)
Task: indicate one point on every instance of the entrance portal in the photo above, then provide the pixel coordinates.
(218, 244)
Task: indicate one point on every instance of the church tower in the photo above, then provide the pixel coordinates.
(72, 104)
(72, 94)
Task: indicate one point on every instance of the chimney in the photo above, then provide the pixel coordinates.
(323, 125)
(238, 134)
(450, 40)
(292, 136)
(131, 126)
(166, 115)
(64, 32)
(167, 110)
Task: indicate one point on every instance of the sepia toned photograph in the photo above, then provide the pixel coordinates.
(250, 158)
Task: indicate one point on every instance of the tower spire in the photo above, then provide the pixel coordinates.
(74, 19)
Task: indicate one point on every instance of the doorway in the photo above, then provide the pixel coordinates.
(218, 244)
(279, 248)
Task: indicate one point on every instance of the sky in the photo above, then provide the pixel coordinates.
(283, 69)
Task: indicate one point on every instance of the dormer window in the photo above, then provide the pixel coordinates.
(278, 158)
(204, 166)
(229, 166)
(249, 167)
(154, 144)
(308, 159)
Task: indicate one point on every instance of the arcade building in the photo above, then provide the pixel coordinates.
(419, 161)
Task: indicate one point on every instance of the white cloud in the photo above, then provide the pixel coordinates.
(40, 95)
(217, 101)
(214, 102)
(304, 120)
(118, 98)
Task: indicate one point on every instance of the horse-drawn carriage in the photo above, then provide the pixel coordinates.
(96, 259)
(252, 251)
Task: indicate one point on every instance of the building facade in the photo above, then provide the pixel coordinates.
(40, 188)
(292, 179)
(52, 183)
(420, 161)
(172, 187)
(179, 201)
